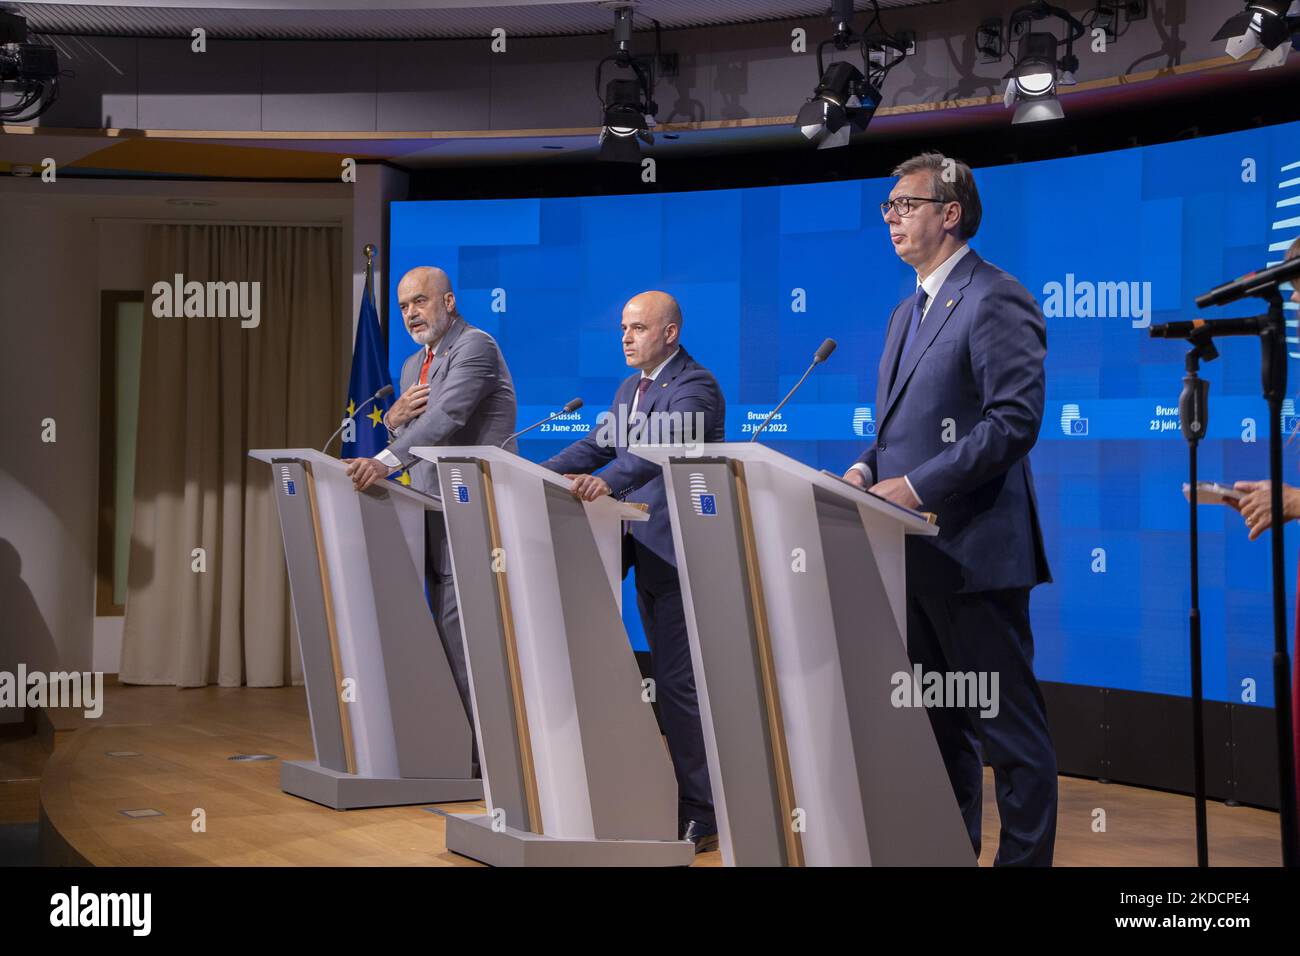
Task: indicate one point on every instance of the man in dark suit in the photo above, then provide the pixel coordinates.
(668, 381)
(959, 402)
(456, 390)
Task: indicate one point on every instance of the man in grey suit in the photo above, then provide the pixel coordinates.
(456, 390)
(959, 403)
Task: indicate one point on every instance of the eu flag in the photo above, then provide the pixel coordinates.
(369, 374)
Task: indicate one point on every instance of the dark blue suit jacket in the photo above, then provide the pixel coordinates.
(964, 411)
(683, 386)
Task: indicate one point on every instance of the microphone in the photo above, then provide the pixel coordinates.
(383, 393)
(573, 406)
(1209, 328)
(821, 355)
(1253, 283)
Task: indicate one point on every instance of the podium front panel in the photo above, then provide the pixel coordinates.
(483, 628)
(796, 609)
(728, 669)
(568, 743)
(306, 586)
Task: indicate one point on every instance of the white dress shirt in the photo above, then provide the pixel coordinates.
(931, 284)
(652, 375)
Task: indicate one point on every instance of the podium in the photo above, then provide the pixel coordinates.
(387, 722)
(575, 771)
(793, 586)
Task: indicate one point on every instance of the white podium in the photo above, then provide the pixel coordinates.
(575, 771)
(386, 719)
(793, 586)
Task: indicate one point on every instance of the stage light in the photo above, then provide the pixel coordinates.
(28, 71)
(627, 124)
(842, 105)
(1272, 24)
(628, 107)
(1031, 84)
(846, 98)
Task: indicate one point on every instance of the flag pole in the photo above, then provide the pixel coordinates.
(370, 251)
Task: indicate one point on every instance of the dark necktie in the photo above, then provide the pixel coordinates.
(918, 310)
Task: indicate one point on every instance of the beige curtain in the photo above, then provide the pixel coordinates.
(210, 390)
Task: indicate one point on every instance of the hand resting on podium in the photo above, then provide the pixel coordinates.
(895, 490)
(588, 487)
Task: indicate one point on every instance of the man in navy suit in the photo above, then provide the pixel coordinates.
(668, 381)
(959, 402)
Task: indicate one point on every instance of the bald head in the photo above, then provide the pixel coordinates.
(652, 328)
(427, 302)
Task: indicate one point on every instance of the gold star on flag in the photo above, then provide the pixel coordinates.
(352, 408)
(375, 416)
(405, 478)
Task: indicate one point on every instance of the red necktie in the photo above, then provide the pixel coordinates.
(641, 387)
(424, 369)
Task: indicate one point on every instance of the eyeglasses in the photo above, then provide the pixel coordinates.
(902, 205)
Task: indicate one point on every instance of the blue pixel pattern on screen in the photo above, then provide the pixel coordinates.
(1107, 244)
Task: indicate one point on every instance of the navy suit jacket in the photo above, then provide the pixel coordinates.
(959, 420)
(683, 386)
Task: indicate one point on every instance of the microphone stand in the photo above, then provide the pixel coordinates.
(1273, 374)
(549, 418)
(348, 418)
(1194, 417)
(1192, 411)
(788, 395)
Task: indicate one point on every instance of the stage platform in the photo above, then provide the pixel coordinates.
(123, 790)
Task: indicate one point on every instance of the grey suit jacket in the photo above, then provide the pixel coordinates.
(471, 400)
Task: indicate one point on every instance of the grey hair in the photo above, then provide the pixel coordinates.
(961, 189)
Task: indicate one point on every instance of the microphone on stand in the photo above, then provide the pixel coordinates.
(383, 393)
(1209, 328)
(1252, 283)
(573, 405)
(823, 353)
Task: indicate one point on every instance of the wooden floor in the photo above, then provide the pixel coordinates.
(184, 738)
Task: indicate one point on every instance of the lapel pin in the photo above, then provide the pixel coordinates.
(949, 305)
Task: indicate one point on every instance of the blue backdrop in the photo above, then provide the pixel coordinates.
(1107, 243)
